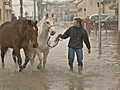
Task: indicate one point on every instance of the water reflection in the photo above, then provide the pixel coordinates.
(76, 83)
(119, 85)
(118, 55)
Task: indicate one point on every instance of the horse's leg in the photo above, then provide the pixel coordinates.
(14, 58)
(19, 62)
(45, 54)
(39, 54)
(3, 52)
(17, 53)
(27, 56)
(32, 57)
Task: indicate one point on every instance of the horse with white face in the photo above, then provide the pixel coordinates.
(45, 30)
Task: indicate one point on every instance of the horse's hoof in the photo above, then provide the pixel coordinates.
(3, 65)
(23, 66)
(20, 69)
(39, 67)
(44, 66)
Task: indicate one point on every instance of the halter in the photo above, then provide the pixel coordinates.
(49, 26)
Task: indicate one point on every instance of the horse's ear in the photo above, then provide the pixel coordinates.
(36, 22)
(47, 15)
(52, 14)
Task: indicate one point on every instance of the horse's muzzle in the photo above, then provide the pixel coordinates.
(35, 45)
(53, 33)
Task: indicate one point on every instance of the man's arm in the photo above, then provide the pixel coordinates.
(86, 41)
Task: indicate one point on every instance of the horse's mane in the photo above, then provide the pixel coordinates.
(39, 25)
(41, 21)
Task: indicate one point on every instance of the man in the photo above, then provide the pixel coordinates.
(77, 35)
(14, 18)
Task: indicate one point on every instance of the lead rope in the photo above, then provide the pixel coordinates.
(54, 44)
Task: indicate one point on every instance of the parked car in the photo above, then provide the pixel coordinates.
(109, 23)
(95, 17)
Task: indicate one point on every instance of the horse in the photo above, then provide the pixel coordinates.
(17, 36)
(46, 29)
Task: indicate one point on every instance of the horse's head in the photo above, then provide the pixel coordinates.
(49, 23)
(32, 32)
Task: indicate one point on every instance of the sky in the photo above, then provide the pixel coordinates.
(29, 9)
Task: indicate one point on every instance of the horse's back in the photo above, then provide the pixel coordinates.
(5, 28)
(5, 33)
(6, 24)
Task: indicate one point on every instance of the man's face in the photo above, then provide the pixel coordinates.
(75, 23)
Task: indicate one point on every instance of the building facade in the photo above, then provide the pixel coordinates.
(5, 10)
(110, 7)
(88, 7)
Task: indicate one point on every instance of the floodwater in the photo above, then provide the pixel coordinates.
(100, 72)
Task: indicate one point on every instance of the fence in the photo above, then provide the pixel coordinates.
(89, 26)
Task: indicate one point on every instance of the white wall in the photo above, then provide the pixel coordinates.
(91, 7)
(29, 8)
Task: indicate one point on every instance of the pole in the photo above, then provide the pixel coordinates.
(99, 40)
(119, 23)
(40, 9)
(38, 4)
(84, 13)
(34, 10)
(21, 8)
(3, 11)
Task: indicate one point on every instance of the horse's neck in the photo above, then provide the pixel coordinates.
(41, 21)
(43, 32)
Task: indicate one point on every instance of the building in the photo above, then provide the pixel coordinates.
(88, 7)
(1, 10)
(110, 7)
(5, 10)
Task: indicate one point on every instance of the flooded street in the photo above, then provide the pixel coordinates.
(100, 72)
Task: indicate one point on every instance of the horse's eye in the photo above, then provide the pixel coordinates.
(47, 22)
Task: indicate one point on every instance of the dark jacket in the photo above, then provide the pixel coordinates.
(77, 36)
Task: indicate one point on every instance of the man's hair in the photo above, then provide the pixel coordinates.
(78, 20)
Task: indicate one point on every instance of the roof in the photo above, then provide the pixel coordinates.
(107, 1)
(75, 1)
(72, 6)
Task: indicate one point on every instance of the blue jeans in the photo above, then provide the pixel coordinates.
(71, 56)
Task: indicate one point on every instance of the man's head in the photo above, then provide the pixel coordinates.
(77, 22)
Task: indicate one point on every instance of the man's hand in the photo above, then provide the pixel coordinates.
(59, 36)
(89, 51)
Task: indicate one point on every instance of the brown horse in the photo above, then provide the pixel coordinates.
(18, 35)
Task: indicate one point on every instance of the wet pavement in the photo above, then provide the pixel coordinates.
(100, 72)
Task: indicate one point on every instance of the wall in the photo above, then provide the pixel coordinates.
(91, 8)
(107, 10)
(5, 11)
(1, 11)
